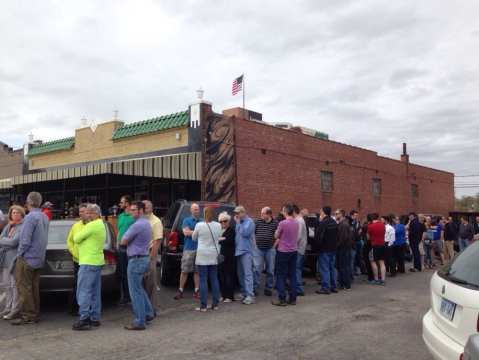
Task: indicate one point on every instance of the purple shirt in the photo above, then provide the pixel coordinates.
(288, 231)
(138, 236)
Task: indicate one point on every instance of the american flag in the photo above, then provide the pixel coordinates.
(237, 85)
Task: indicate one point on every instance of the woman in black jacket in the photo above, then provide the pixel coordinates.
(227, 270)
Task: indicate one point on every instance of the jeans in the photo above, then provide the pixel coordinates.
(123, 273)
(427, 254)
(264, 259)
(140, 302)
(463, 243)
(327, 269)
(286, 268)
(299, 274)
(414, 244)
(344, 268)
(245, 274)
(89, 292)
(353, 263)
(209, 272)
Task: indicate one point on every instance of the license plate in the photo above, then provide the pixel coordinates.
(448, 308)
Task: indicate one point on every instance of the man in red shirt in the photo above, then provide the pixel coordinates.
(46, 209)
(376, 233)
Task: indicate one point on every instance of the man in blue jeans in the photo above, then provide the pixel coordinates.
(244, 254)
(137, 240)
(264, 257)
(286, 255)
(327, 240)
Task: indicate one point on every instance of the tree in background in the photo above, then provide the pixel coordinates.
(467, 203)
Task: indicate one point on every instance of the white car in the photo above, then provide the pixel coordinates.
(454, 313)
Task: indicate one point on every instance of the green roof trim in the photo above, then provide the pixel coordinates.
(321, 135)
(153, 125)
(56, 145)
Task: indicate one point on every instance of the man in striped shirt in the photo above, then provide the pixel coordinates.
(265, 253)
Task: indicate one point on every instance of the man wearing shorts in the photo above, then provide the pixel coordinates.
(376, 234)
(189, 252)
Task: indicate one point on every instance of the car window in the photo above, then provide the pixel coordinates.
(58, 233)
(465, 267)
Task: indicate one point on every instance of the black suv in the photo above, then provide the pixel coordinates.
(172, 247)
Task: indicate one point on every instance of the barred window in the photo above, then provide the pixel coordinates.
(377, 187)
(414, 191)
(326, 181)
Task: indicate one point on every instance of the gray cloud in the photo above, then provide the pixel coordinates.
(370, 73)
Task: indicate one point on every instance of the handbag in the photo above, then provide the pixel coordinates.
(220, 257)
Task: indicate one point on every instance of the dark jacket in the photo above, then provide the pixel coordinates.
(466, 231)
(228, 244)
(326, 237)
(345, 234)
(415, 230)
(450, 231)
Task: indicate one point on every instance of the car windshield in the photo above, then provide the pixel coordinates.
(464, 269)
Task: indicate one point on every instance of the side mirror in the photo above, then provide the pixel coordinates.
(471, 351)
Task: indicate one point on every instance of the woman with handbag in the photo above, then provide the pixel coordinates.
(9, 240)
(208, 256)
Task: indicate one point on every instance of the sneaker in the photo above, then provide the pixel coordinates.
(201, 309)
(323, 292)
(248, 300)
(179, 295)
(82, 325)
(279, 303)
(196, 295)
(23, 321)
(227, 300)
(268, 292)
(95, 323)
(11, 316)
(134, 327)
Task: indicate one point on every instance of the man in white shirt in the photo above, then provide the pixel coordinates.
(389, 239)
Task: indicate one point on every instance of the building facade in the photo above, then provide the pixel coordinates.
(232, 156)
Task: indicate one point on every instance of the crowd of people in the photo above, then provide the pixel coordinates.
(220, 251)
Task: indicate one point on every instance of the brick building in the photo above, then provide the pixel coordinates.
(232, 157)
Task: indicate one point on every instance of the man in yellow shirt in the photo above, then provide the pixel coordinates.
(150, 280)
(73, 249)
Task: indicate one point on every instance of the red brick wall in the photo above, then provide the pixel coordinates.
(276, 165)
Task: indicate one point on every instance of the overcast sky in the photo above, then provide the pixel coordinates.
(369, 73)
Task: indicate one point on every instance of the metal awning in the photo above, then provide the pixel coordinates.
(186, 166)
(5, 183)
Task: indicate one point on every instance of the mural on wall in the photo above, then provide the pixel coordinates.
(219, 170)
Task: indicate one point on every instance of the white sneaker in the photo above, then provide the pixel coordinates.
(248, 300)
(226, 300)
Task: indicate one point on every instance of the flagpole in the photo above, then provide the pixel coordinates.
(244, 87)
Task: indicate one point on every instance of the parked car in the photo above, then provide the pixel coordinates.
(169, 261)
(454, 313)
(57, 273)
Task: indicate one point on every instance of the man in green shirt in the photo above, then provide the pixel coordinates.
(90, 241)
(125, 220)
(73, 249)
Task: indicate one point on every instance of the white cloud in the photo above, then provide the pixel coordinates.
(370, 73)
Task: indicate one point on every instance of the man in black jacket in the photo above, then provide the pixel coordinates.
(450, 237)
(327, 240)
(415, 236)
(345, 241)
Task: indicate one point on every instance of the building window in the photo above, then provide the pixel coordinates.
(414, 191)
(377, 187)
(326, 181)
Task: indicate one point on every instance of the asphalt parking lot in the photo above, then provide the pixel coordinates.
(368, 322)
